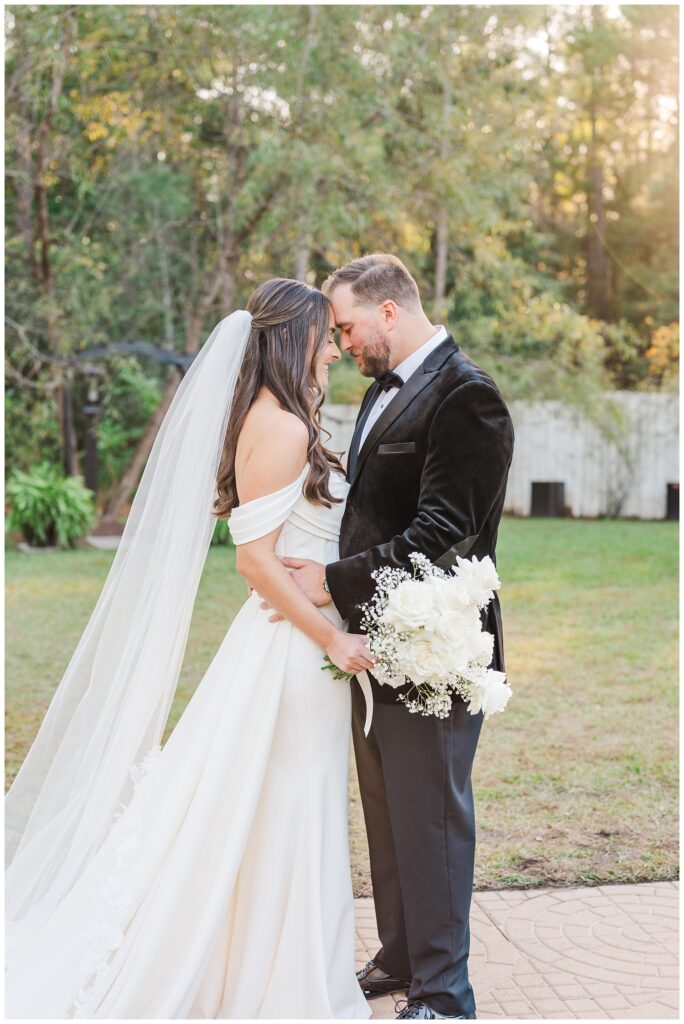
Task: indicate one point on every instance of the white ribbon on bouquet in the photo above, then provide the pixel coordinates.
(367, 690)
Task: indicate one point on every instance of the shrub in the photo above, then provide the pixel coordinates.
(663, 357)
(31, 430)
(49, 508)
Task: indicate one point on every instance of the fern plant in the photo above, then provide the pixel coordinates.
(49, 508)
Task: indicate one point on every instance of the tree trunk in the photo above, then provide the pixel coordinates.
(167, 296)
(71, 466)
(303, 247)
(442, 218)
(43, 264)
(597, 259)
(442, 247)
(301, 261)
(25, 186)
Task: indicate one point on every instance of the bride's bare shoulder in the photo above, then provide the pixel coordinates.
(271, 449)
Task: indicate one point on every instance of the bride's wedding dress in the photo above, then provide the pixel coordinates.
(223, 889)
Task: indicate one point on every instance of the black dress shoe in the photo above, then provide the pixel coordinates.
(421, 1011)
(374, 981)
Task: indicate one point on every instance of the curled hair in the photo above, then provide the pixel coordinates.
(376, 278)
(279, 356)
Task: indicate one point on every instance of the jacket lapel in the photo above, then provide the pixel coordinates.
(416, 383)
(364, 413)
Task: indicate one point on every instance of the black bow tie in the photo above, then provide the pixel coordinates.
(388, 380)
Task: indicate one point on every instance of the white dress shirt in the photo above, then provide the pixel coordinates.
(405, 370)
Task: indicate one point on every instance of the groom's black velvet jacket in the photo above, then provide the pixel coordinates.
(430, 477)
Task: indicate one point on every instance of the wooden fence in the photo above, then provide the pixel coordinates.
(557, 444)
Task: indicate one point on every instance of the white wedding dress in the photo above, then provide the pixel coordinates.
(223, 889)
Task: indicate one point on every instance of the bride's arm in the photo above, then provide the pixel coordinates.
(274, 455)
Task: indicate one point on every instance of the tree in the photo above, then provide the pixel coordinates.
(163, 160)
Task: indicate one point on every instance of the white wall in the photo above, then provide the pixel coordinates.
(557, 443)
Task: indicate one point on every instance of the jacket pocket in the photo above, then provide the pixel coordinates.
(402, 447)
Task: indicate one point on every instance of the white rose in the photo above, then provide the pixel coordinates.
(480, 578)
(450, 594)
(482, 647)
(468, 617)
(410, 606)
(460, 655)
(462, 622)
(449, 624)
(422, 660)
(454, 650)
(475, 674)
(490, 694)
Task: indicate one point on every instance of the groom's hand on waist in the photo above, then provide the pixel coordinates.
(309, 577)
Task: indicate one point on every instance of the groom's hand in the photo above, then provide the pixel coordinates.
(309, 576)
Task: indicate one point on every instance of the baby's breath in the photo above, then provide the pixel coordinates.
(424, 568)
(431, 637)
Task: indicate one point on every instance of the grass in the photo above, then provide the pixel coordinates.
(575, 783)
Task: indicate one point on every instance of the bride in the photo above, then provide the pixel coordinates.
(208, 879)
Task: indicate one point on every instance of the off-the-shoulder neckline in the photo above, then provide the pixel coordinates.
(282, 490)
(274, 494)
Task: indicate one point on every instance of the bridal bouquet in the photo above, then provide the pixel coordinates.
(424, 628)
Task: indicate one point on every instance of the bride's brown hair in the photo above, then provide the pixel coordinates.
(279, 356)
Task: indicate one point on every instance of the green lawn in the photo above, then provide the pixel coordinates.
(576, 782)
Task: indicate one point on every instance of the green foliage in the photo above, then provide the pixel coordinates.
(47, 508)
(607, 183)
(221, 536)
(623, 355)
(663, 358)
(31, 431)
(346, 383)
(542, 138)
(129, 401)
(538, 348)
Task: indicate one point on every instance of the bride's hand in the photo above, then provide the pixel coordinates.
(349, 651)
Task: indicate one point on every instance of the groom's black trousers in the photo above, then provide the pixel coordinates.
(414, 777)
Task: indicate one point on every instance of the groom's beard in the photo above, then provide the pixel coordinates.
(374, 358)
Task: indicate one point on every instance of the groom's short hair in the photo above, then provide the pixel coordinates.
(376, 278)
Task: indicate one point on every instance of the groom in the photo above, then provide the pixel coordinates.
(427, 465)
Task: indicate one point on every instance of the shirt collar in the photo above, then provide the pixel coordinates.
(406, 368)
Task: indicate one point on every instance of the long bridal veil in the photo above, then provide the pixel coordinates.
(111, 706)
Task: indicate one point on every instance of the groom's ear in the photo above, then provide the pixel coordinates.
(389, 311)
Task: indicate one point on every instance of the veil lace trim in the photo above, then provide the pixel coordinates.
(111, 897)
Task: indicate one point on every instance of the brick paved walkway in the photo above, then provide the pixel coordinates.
(609, 951)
